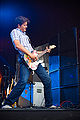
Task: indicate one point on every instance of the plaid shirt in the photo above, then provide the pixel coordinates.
(17, 34)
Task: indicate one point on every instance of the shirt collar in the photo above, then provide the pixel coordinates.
(21, 31)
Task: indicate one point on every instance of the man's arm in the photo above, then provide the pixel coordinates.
(24, 50)
(48, 50)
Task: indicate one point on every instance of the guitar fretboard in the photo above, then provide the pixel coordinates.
(41, 54)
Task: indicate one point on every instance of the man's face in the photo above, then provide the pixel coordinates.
(23, 27)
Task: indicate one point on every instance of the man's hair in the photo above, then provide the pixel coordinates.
(20, 20)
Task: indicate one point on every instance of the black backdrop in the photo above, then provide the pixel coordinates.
(47, 20)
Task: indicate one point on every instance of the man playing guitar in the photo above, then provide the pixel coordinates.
(21, 43)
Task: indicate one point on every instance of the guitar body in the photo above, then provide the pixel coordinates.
(33, 65)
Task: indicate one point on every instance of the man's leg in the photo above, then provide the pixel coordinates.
(19, 87)
(43, 75)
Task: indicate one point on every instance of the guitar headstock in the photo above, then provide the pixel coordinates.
(52, 46)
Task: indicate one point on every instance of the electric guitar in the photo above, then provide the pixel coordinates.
(34, 64)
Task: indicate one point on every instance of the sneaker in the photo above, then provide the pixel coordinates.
(53, 107)
(6, 106)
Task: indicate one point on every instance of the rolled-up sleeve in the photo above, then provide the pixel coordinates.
(14, 35)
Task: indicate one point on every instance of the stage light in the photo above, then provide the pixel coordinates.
(7, 13)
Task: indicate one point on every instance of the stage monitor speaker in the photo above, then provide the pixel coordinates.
(64, 68)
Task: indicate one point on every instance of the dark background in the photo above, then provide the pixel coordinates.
(48, 18)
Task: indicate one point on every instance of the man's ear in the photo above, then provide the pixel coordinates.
(19, 26)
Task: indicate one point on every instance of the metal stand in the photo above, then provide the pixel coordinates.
(30, 94)
(30, 81)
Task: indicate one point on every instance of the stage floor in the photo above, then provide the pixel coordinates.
(39, 114)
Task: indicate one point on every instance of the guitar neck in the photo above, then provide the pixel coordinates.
(41, 54)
